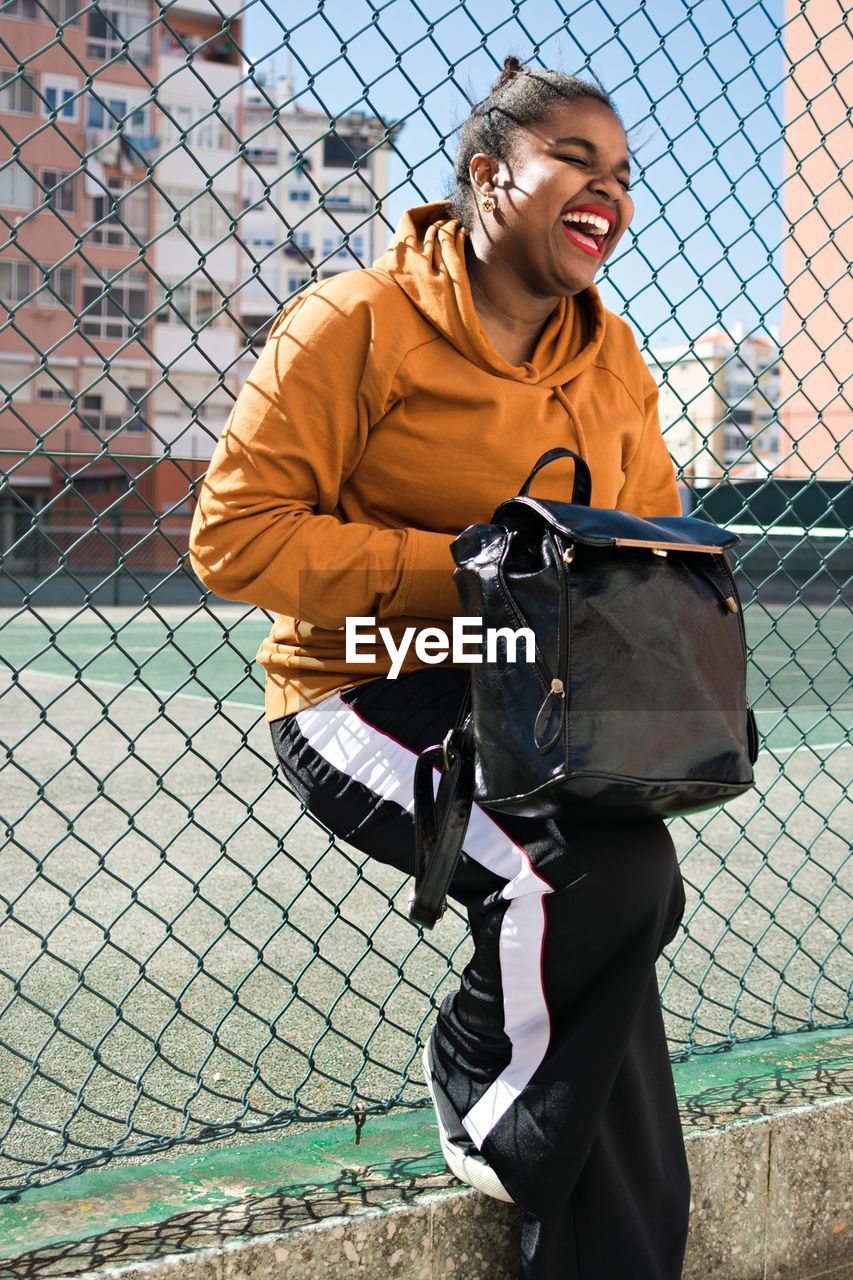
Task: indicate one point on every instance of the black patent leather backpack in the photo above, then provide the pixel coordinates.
(634, 703)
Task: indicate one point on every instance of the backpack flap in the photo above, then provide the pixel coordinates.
(607, 527)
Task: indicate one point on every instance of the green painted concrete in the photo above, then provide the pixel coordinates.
(796, 1054)
(714, 1089)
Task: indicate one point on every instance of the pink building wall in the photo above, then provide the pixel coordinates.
(48, 238)
(817, 417)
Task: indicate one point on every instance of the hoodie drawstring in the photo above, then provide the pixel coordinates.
(575, 420)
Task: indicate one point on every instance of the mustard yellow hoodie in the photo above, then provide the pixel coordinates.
(377, 423)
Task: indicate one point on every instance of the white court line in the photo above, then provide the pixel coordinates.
(810, 746)
(255, 706)
(133, 687)
(114, 684)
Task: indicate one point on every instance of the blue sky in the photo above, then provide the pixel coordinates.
(699, 89)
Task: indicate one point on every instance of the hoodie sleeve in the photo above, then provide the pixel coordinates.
(264, 529)
(650, 487)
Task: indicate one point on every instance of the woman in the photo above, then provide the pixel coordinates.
(389, 409)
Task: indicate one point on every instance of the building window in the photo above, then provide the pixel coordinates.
(333, 246)
(16, 281)
(108, 111)
(49, 387)
(203, 216)
(303, 166)
(12, 384)
(206, 130)
(99, 484)
(63, 11)
(135, 422)
(212, 133)
(735, 443)
(194, 304)
(179, 309)
(344, 152)
(122, 219)
(301, 196)
(20, 9)
(17, 189)
(112, 22)
(112, 410)
(16, 94)
(295, 283)
(262, 155)
(60, 11)
(207, 302)
(181, 120)
(352, 198)
(301, 246)
(210, 221)
(58, 289)
(60, 190)
(59, 96)
(117, 310)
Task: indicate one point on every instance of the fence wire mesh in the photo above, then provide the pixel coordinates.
(186, 954)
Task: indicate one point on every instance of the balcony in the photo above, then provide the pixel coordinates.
(109, 146)
(262, 155)
(345, 204)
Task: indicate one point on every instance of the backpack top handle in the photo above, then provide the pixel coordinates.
(582, 483)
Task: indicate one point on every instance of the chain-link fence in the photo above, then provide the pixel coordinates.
(186, 954)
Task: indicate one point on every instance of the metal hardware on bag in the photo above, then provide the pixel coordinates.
(569, 553)
(444, 745)
(658, 551)
(731, 604)
(557, 686)
(665, 546)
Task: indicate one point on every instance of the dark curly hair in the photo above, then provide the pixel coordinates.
(519, 97)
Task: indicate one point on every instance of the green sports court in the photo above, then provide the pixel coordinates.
(192, 954)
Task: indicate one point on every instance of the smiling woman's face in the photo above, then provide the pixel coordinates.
(577, 156)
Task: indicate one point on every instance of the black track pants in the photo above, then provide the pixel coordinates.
(553, 1050)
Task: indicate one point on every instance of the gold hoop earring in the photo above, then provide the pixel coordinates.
(488, 204)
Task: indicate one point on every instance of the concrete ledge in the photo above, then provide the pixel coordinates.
(768, 1127)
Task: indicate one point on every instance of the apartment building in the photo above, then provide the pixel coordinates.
(76, 374)
(309, 197)
(719, 405)
(195, 259)
(146, 288)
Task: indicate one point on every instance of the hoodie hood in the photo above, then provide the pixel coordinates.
(426, 258)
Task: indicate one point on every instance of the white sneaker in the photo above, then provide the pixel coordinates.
(463, 1158)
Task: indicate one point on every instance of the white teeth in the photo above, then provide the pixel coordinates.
(596, 223)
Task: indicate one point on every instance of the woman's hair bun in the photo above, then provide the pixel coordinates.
(511, 68)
